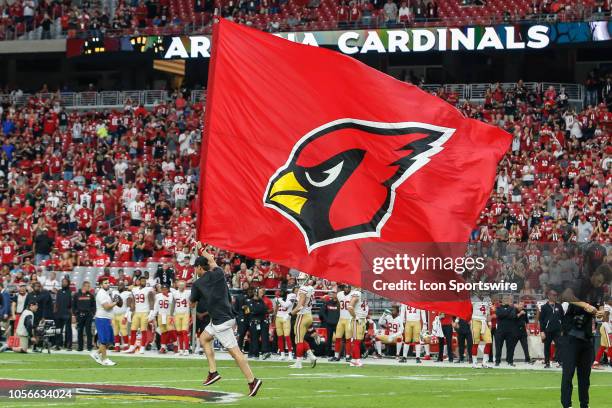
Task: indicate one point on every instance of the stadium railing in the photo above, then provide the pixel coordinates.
(118, 99)
(476, 92)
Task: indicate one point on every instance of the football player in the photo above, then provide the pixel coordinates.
(282, 321)
(163, 311)
(303, 311)
(414, 319)
(120, 318)
(359, 309)
(344, 327)
(606, 334)
(394, 326)
(181, 316)
(481, 329)
(144, 298)
(426, 341)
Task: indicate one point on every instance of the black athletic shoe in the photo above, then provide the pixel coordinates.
(266, 356)
(333, 359)
(418, 360)
(212, 378)
(496, 364)
(546, 365)
(402, 359)
(254, 387)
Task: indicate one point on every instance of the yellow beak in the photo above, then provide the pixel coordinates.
(283, 192)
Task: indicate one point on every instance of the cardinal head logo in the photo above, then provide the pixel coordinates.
(340, 180)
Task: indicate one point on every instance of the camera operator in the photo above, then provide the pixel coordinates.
(63, 316)
(258, 325)
(551, 314)
(84, 307)
(19, 304)
(578, 351)
(25, 328)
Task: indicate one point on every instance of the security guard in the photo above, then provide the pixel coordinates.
(578, 351)
(84, 308)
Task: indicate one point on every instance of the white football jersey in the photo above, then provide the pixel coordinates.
(344, 300)
(608, 308)
(361, 307)
(141, 299)
(125, 295)
(181, 300)
(284, 307)
(481, 309)
(163, 303)
(394, 325)
(308, 292)
(412, 314)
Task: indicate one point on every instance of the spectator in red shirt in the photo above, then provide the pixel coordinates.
(107, 275)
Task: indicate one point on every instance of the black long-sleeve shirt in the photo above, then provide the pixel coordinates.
(83, 303)
(45, 304)
(63, 303)
(551, 316)
(506, 318)
(257, 308)
(330, 312)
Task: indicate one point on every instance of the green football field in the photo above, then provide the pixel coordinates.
(327, 385)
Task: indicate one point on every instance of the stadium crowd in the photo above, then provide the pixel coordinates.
(54, 19)
(109, 188)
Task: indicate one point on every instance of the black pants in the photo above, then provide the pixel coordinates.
(464, 338)
(493, 344)
(548, 340)
(510, 339)
(243, 326)
(259, 330)
(64, 339)
(577, 356)
(522, 338)
(447, 329)
(329, 344)
(84, 324)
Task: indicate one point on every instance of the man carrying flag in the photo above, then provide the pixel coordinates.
(211, 289)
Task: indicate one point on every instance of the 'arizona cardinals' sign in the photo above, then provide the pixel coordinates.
(324, 175)
(308, 156)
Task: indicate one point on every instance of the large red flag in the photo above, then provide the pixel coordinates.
(308, 154)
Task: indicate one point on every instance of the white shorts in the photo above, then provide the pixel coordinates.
(223, 332)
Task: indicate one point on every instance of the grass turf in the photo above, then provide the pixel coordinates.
(327, 385)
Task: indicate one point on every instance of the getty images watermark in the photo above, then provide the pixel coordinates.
(410, 265)
(441, 272)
